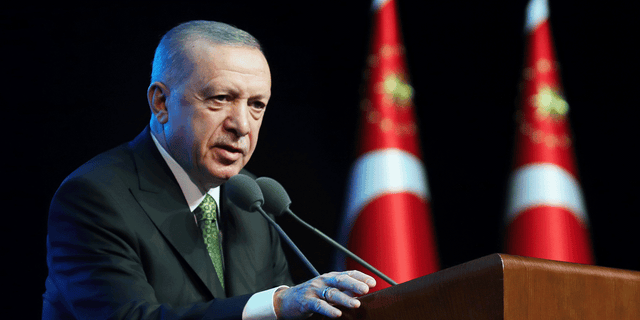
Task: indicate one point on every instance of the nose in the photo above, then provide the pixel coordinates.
(237, 120)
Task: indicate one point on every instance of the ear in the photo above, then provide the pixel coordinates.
(157, 98)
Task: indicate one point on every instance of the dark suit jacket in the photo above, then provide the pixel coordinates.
(122, 243)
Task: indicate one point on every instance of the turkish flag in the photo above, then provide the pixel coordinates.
(387, 219)
(546, 214)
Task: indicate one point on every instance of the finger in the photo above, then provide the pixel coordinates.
(323, 307)
(337, 297)
(344, 282)
(350, 293)
(361, 276)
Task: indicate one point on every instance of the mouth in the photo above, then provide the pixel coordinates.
(230, 148)
(228, 153)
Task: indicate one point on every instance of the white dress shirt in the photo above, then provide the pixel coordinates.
(260, 305)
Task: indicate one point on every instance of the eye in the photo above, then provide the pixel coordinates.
(222, 98)
(258, 104)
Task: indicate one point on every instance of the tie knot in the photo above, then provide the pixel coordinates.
(208, 209)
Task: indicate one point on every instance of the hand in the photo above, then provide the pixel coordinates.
(321, 294)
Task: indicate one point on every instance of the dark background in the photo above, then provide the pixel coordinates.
(75, 79)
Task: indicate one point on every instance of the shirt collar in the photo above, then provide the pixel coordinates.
(190, 190)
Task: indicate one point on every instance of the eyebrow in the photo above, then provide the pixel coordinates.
(260, 96)
(212, 88)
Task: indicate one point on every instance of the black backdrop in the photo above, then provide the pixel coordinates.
(74, 82)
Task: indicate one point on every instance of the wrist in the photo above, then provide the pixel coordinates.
(277, 301)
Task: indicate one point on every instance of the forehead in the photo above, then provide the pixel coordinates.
(211, 60)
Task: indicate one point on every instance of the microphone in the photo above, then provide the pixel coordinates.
(278, 202)
(245, 193)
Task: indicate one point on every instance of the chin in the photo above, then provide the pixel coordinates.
(221, 175)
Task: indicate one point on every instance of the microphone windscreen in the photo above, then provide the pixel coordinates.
(276, 199)
(244, 192)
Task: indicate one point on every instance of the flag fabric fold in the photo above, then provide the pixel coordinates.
(546, 214)
(387, 218)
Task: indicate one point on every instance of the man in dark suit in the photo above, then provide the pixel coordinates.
(126, 238)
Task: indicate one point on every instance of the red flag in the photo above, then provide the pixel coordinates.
(387, 219)
(546, 215)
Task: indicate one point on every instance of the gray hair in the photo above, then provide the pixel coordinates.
(170, 56)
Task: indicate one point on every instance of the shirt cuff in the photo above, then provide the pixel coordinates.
(260, 306)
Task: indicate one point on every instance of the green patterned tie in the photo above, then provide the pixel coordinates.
(207, 222)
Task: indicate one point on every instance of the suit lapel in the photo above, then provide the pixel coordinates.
(161, 198)
(225, 227)
(238, 251)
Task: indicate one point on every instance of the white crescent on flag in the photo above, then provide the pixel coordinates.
(545, 184)
(382, 172)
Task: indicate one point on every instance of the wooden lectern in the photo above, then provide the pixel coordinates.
(501, 286)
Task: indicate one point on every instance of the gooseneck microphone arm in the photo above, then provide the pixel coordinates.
(246, 194)
(286, 238)
(278, 201)
(343, 249)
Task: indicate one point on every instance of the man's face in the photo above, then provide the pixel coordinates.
(215, 113)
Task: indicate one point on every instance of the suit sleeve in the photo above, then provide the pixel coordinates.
(95, 271)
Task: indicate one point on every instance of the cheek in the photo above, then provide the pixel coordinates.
(204, 131)
(180, 137)
(255, 130)
(182, 123)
